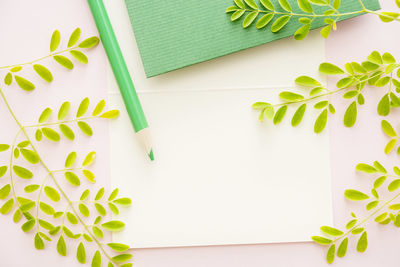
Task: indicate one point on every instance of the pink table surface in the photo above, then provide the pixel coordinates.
(25, 27)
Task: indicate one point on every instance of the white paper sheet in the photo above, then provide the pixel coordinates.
(220, 177)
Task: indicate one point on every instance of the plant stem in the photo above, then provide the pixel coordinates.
(59, 122)
(304, 14)
(51, 175)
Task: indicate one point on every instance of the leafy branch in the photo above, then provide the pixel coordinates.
(378, 70)
(382, 211)
(309, 11)
(45, 207)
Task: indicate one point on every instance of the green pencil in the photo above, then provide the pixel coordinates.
(121, 73)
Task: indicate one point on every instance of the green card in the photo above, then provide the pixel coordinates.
(178, 33)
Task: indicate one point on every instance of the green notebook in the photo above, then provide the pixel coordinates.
(173, 34)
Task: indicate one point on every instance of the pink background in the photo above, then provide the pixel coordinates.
(25, 27)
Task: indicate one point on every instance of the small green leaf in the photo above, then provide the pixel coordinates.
(67, 131)
(30, 155)
(55, 41)
(22, 172)
(113, 226)
(236, 15)
(49, 210)
(73, 39)
(388, 58)
(78, 55)
(61, 246)
(85, 194)
(8, 79)
(84, 210)
(113, 194)
(72, 178)
(3, 170)
(264, 20)
(63, 111)
(122, 257)
(118, 247)
(321, 104)
(39, 244)
(331, 231)
(384, 106)
(4, 147)
(52, 194)
(379, 181)
(72, 218)
(289, 96)
(27, 206)
(123, 201)
(99, 194)
(390, 145)
(305, 6)
(38, 135)
(70, 160)
(326, 31)
(350, 116)
(382, 81)
(83, 107)
(99, 108)
(395, 206)
(112, 114)
(285, 5)
(307, 81)
(31, 188)
(89, 175)
(89, 42)
(298, 115)
(330, 69)
(362, 242)
(394, 185)
(81, 253)
(64, 61)
(321, 240)
(375, 58)
(388, 129)
(355, 195)
(343, 248)
(51, 134)
(24, 83)
(280, 23)
(280, 114)
(89, 159)
(267, 4)
(46, 225)
(321, 122)
(302, 32)
(366, 168)
(5, 191)
(96, 261)
(28, 225)
(97, 232)
(330, 256)
(87, 238)
(45, 116)
(250, 19)
(100, 209)
(351, 224)
(371, 205)
(43, 72)
(345, 82)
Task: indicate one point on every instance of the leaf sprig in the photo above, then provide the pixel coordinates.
(378, 70)
(382, 211)
(74, 49)
(307, 12)
(45, 208)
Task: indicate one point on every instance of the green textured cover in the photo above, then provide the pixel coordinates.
(173, 34)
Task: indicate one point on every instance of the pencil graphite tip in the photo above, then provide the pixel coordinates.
(151, 155)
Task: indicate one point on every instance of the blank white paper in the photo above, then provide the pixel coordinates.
(219, 175)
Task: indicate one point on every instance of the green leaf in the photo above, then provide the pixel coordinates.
(28, 225)
(240, 4)
(73, 39)
(388, 58)
(52, 194)
(113, 194)
(123, 201)
(4, 147)
(24, 83)
(22, 172)
(85, 128)
(3, 170)
(27, 206)
(395, 206)
(351, 224)
(43, 72)
(8, 79)
(366, 168)
(89, 175)
(371, 205)
(97, 232)
(307, 81)
(336, 4)
(45, 116)
(89, 42)
(341, 252)
(330, 256)
(122, 257)
(84, 210)
(72, 178)
(51, 134)
(118, 247)
(46, 225)
(321, 240)
(68, 232)
(388, 128)
(330, 69)
(298, 115)
(113, 208)
(78, 55)
(289, 96)
(280, 114)
(319, 2)
(85, 194)
(285, 5)
(305, 6)
(67, 131)
(49, 210)
(70, 160)
(100, 209)
(379, 181)
(362, 242)
(113, 226)
(55, 41)
(23, 144)
(30, 156)
(302, 32)
(99, 108)
(375, 58)
(99, 194)
(390, 145)
(250, 19)
(61, 246)
(72, 218)
(89, 159)
(264, 20)
(87, 238)
(355, 195)
(267, 4)
(5, 191)
(326, 31)
(382, 82)
(16, 153)
(388, 16)
(331, 231)
(321, 122)
(350, 116)
(384, 106)
(38, 135)
(96, 261)
(345, 82)
(81, 253)
(236, 15)
(39, 244)
(231, 9)
(64, 61)
(280, 23)
(64, 109)
(394, 185)
(112, 114)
